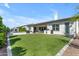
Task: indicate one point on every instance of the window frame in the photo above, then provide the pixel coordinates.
(55, 27)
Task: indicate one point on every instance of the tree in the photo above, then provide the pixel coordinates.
(3, 31)
(1, 24)
(3, 28)
(0, 20)
(75, 19)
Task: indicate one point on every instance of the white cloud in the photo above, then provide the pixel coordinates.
(21, 20)
(2, 12)
(11, 20)
(6, 5)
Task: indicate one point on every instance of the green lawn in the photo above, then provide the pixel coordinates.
(37, 44)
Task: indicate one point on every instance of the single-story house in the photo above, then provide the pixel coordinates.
(62, 27)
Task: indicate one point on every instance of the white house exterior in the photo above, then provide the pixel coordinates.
(61, 27)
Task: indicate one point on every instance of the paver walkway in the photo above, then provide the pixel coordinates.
(3, 51)
(73, 49)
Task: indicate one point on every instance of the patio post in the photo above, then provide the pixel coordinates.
(31, 30)
(49, 27)
(77, 29)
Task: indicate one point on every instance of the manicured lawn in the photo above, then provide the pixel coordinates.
(37, 44)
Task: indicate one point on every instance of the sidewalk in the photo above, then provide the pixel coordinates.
(3, 51)
(20, 33)
(9, 52)
(73, 49)
(6, 51)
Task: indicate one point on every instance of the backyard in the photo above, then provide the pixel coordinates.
(37, 44)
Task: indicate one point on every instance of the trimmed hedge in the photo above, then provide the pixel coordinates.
(2, 40)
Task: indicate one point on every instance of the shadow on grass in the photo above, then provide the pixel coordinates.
(18, 51)
(14, 40)
(13, 36)
(68, 36)
(64, 40)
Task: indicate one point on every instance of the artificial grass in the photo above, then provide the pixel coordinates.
(37, 44)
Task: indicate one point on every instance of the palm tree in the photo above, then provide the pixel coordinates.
(75, 19)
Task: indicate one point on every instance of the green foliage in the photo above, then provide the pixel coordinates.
(22, 29)
(3, 28)
(2, 39)
(74, 18)
(0, 20)
(6, 29)
(3, 31)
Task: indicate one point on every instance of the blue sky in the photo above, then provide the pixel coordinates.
(26, 13)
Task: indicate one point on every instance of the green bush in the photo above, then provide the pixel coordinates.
(3, 31)
(22, 29)
(2, 39)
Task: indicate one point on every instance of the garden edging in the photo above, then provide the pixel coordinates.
(60, 53)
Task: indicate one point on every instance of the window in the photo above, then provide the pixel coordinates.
(55, 27)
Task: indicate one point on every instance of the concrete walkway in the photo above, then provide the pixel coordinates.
(20, 33)
(73, 49)
(9, 52)
(6, 51)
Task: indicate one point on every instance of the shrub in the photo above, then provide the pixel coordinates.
(3, 31)
(2, 39)
(22, 29)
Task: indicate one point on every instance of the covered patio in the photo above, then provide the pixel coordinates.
(40, 28)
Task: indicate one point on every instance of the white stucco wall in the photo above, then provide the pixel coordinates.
(77, 27)
(45, 31)
(61, 29)
(72, 28)
(49, 27)
(31, 30)
(48, 31)
(15, 30)
(27, 28)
